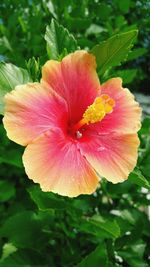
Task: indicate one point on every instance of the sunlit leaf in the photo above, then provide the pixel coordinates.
(34, 68)
(94, 29)
(136, 177)
(114, 50)
(58, 40)
(109, 226)
(10, 76)
(8, 249)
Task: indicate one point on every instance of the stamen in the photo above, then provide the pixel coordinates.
(101, 106)
(96, 112)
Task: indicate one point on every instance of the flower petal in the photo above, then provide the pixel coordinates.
(126, 114)
(112, 156)
(56, 164)
(75, 79)
(32, 109)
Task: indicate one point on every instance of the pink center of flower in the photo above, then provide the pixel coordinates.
(101, 106)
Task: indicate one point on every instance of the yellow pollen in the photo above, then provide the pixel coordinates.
(101, 106)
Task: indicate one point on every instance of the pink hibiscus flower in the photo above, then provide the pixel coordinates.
(73, 127)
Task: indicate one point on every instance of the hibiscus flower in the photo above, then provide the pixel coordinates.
(75, 129)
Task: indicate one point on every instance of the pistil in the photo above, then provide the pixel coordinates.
(101, 106)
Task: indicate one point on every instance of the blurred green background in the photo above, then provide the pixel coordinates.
(111, 227)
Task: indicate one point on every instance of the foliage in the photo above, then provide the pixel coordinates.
(10, 76)
(113, 51)
(110, 227)
(59, 40)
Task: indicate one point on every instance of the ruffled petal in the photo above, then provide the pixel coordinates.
(32, 109)
(56, 164)
(126, 115)
(112, 156)
(75, 79)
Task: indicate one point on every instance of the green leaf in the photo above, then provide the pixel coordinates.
(10, 153)
(7, 190)
(114, 50)
(110, 226)
(46, 200)
(128, 216)
(136, 177)
(5, 43)
(24, 258)
(138, 52)
(94, 29)
(33, 67)
(124, 5)
(103, 11)
(8, 249)
(22, 228)
(12, 156)
(99, 227)
(127, 75)
(96, 258)
(10, 76)
(133, 254)
(58, 39)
